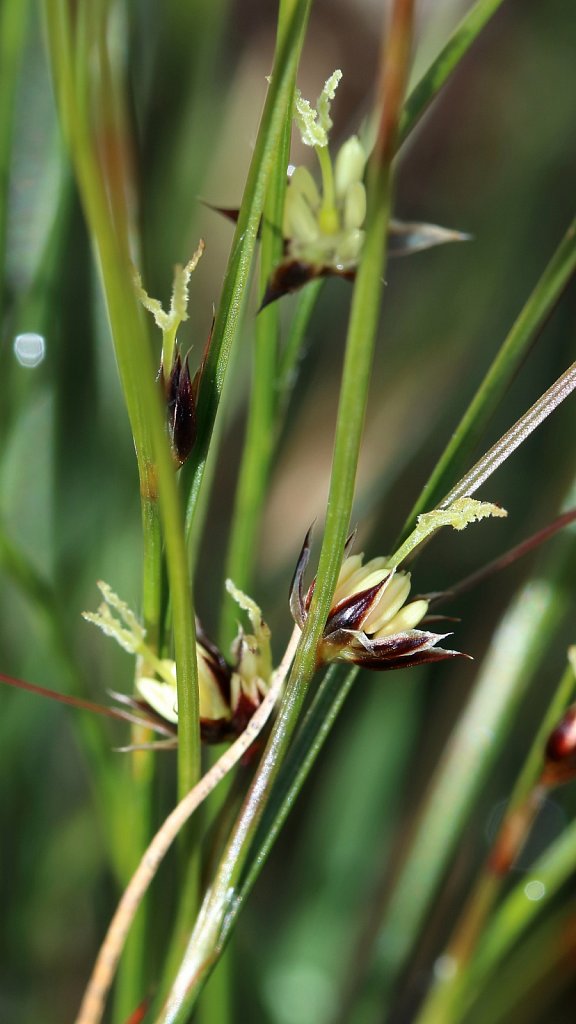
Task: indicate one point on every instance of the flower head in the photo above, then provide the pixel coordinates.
(370, 623)
(229, 692)
(181, 409)
(214, 686)
(324, 228)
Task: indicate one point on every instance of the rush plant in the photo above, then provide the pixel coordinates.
(182, 456)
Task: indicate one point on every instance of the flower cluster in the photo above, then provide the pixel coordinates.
(370, 623)
(229, 693)
(324, 227)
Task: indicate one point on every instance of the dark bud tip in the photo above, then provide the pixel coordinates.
(171, 384)
(181, 404)
(561, 743)
(298, 605)
(288, 277)
(230, 212)
(352, 612)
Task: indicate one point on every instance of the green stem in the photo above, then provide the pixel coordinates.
(73, 59)
(513, 918)
(524, 804)
(260, 434)
(537, 960)
(296, 767)
(235, 287)
(508, 668)
(92, 115)
(13, 23)
(168, 346)
(447, 61)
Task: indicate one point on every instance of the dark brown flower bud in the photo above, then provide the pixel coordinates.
(560, 752)
(181, 409)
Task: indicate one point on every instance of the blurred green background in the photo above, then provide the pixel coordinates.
(495, 157)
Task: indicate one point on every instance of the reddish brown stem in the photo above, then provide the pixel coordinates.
(393, 79)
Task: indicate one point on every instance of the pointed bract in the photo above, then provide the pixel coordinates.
(183, 426)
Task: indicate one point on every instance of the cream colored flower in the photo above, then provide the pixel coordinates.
(325, 228)
(370, 622)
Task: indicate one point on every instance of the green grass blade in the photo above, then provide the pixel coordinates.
(553, 869)
(13, 23)
(235, 288)
(447, 61)
(260, 434)
(445, 992)
(308, 742)
(512, 660)
(549, 946)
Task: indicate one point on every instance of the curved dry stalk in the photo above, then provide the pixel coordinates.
(102, 975)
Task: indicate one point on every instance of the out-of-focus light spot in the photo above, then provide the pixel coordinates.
(445, 968)
(29, 349)
(535, 890)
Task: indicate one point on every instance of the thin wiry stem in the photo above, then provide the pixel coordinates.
(514, 437)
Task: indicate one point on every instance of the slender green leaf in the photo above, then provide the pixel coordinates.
(517, 649)
(446, 63)
(235, 290)
(552, 870)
